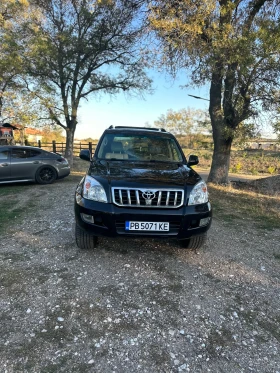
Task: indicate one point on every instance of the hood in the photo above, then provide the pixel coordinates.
(123, 173)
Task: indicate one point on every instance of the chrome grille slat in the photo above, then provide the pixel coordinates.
(137, 197)
(120, 195)
(128, 197)
(157, 198)
(175, 199)
(167, 199)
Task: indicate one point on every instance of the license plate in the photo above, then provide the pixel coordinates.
(146, 226)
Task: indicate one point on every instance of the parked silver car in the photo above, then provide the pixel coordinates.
(27, 163)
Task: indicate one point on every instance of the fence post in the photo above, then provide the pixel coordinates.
(54, 146)
(90, 147)
(39, 144)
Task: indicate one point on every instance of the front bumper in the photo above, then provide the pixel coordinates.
(109, 219)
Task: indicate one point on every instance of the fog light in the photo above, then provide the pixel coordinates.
(204, 221)
(88, 218)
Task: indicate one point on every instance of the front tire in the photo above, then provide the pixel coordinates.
(194, 243)
(84, 240)
(46, 175)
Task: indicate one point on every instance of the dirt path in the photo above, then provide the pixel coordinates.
(135, 305)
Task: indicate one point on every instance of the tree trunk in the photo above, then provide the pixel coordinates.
(221, 160)
(222, 139)
(69, 145)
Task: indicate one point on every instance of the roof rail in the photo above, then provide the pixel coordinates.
(140, 128)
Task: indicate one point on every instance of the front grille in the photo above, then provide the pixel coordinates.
(156, 198)
(174, 227)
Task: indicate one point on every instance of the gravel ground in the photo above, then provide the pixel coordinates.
(135, 305)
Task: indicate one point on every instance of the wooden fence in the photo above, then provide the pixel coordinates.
(59, 147)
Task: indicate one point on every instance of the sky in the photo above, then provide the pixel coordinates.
(98, 114)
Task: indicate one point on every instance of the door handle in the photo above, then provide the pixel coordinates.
(4, 164)
(36, 162)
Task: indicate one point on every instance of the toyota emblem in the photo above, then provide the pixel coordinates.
(148, 196)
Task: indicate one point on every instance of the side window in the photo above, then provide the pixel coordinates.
(4, 154)
(33, 153)
(24, 153)
(175, 152)
(19, 153)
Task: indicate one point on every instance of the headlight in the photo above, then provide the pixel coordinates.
(199, 194)
(94, 190)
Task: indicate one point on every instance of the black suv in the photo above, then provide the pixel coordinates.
(140, 184)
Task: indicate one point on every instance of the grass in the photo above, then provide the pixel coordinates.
(249, 162)
(9, 211)
(79, 166)
(231, 204)
(11, 206)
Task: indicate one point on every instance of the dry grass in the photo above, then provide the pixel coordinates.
(230, 204)
(269, 185)
(79, 166)
(250, 162)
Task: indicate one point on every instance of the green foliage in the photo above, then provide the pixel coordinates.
(12, 15)
(52, 132)
(184, 121)
(207, 157)
(78, 48)
(271, 170)
(244, 132)
(237, 167)
(254, 171)
(234, 46)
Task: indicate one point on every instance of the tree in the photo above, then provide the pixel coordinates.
(12, 15)
(178, 122)
(246, 132)
(185, 122)
(81, 47)
(52, 132)
(233, 46)
(277, 130)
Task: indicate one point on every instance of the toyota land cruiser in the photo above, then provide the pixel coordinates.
(139, 183)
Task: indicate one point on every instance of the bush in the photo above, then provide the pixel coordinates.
(271, 170)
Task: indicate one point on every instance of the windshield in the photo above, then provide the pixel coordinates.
(139, 147)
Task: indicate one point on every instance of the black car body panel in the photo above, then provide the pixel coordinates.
(125, 182)
(160, 173)
(109, 220)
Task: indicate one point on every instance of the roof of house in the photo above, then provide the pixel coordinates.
(8, 125)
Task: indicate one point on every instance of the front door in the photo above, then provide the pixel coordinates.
(5, 164)
(24, 163)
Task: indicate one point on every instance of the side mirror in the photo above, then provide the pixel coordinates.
(85, 155)
(193, 160)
